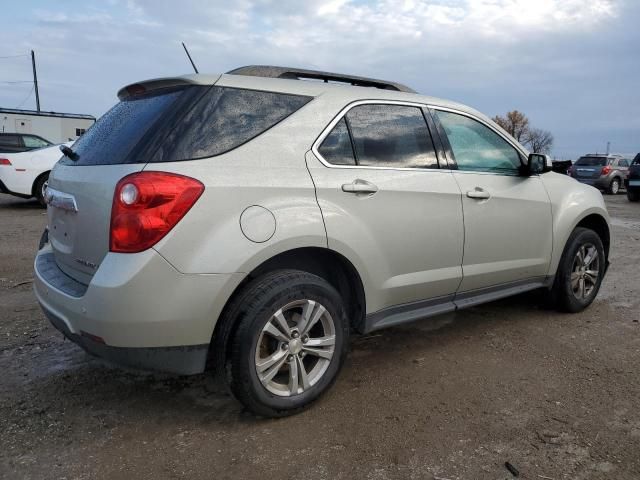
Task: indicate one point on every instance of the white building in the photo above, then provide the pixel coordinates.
(53, 126)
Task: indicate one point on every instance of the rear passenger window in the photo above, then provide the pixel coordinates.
(10, 140)
(391, 136)
(336, 147)
(623, 163)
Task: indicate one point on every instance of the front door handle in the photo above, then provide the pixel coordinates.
(478, 194)
(360, 186)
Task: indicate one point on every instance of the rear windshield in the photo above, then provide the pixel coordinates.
(181, 124)
(592, 161)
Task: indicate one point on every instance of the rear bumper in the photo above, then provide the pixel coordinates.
(601, 183)
(137, 310)
(179, 360)
(5, 189)
(15, 183)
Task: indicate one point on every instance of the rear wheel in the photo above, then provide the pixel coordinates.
(580, 272)
(290, 342)
(614, 186)
(40, 187)
(633, 195)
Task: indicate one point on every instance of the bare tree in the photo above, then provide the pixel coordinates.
(538, 140)
(515, 123)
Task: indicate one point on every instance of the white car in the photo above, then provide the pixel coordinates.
(25, 174)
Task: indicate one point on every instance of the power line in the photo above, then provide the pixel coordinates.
(28, 95)
(16, 81)
(15, 56)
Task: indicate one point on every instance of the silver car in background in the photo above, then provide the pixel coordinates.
(605, 172)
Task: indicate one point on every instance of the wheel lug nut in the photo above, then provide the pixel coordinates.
(284, 346)
(305, 339)
(295, 335)
(290, 358)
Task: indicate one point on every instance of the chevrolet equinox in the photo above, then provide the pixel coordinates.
(252, 220)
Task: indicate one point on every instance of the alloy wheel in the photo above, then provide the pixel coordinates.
(615, 186)
(585, 271)
(295, 348)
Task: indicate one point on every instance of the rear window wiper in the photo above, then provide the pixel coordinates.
(67, 151)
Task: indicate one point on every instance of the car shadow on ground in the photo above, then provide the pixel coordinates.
(15, 203)
(105, 395)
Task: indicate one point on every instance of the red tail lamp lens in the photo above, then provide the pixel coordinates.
(146, 206)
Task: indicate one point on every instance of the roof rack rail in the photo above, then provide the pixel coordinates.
(301, 74)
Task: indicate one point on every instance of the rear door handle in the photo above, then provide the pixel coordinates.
(479, 194)
(360, 186)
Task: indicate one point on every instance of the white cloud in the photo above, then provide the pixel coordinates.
(495, 53)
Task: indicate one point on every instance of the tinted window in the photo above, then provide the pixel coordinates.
(10, 140)
(477, 147)
(224, 119)
(114, 136)
(336, 147)
(34, 142)
(636, 160)
(391, 136)
(181, 124)
(592, 161)
(623, 163)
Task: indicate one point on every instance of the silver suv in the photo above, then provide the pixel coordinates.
(605, 172)
(257, 218)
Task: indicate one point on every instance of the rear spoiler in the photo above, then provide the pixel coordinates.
(160, 83)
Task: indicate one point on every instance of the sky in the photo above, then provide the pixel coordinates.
(572, 66)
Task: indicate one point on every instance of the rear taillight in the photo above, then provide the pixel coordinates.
(146, 206)
(4, 161)
(606, 170)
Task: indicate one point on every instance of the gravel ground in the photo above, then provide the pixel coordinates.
(455, 397)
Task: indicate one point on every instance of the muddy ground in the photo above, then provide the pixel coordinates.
(556, 395)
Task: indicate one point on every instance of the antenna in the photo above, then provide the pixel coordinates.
(185, 51)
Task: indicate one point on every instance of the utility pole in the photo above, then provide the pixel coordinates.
(608, 147)
(35, 79)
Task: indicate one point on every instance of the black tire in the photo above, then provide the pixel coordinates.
(633, 195)
(38, 188)
(563, 296)
(252, 310)
(614, 186)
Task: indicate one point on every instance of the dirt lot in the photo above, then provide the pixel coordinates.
(453, 398)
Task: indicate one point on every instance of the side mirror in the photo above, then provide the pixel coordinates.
(537, 163)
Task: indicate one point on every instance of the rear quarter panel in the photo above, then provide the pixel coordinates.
(268, 171)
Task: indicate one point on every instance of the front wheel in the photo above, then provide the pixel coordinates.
(290, 342)
(580, 272)
(614, 186)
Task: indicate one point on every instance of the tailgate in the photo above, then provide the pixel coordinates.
(79, 215)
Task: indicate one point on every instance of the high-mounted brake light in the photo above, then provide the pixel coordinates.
(4, 161)
(146, 206)
(606, 170)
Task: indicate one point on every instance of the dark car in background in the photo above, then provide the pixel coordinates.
(21, 142)
(605, 172)
(632, 182)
